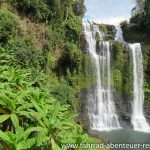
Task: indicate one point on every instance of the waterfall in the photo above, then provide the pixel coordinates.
(101, 107)
(119, 34)
(138, 119)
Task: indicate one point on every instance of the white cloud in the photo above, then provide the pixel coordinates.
(109, 11)
(110, 20)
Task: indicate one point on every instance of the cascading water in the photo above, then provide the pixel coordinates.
(101, 108)
(138, 119)
(119, 34)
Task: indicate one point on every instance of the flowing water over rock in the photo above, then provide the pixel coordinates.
(101, 107)
(119, 34)
(138, 119)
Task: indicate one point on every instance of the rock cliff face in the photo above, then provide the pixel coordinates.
(147, 109)
(122, 86)
(132, 33)
(83, 117)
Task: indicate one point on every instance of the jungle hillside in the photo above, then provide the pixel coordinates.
(42, 69)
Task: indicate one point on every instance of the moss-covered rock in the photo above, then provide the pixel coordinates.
(138, 31)
(121, 79)
(132, 33)
(121, 68)
(108, 30)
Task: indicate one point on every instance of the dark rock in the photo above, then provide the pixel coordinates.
(83, 117)
(83, 43)
(147, 108)
(123, 108)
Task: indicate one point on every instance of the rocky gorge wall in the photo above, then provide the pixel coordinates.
(122, 78)
(133, 34)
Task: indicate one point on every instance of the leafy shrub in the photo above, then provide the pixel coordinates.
(36, 112)
(121, 68)
(35, 9)
(9, 25)
(117, 79)
(25, 52)
(79, 7)
(70, 59)
(30, 116)
(72, 29)
(65, 93)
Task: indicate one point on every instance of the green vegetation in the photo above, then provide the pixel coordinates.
(138, 31)
(9, 25)
(46, 10)
(109, 31)
(121, 69)
(131, 33)
(139, 23)
(146, 54)
(142, 18)
(41, 71)
(30, 115)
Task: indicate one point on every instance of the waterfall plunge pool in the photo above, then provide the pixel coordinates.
(125, 136)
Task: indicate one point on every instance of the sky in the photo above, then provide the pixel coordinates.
(109, 11)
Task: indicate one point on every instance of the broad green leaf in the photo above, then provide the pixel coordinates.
(42, 137)
(27, 144)
(3, 111)
(30, 130)
(38, 109)
(25, 106)
(54, 114)
(15, 121)
(3, 118)
(25, 114)
(41, 113)
(5, 101)
(4, 136)
(54, 145)
(36, 116)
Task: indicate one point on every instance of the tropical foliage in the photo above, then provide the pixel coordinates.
(121, 69)
(41, 71)
(138, 31)
(30, 115)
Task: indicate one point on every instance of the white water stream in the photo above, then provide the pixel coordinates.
(102, 112)
(138, 119)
